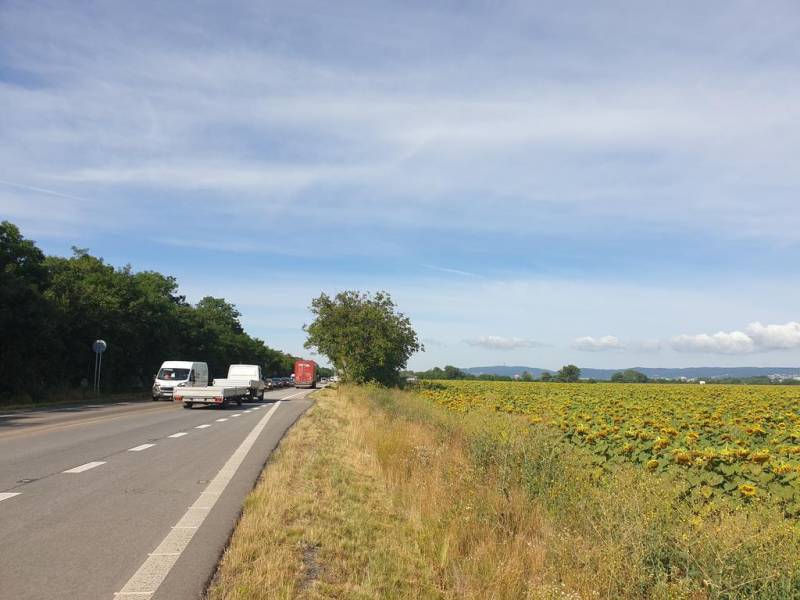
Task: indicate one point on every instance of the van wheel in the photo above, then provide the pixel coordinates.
(239, 401)
(187, 405)
(155, 398)
(261, 396)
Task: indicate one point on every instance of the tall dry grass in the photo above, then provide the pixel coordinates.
(378, 494)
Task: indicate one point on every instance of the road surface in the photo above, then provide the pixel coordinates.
(128, 501)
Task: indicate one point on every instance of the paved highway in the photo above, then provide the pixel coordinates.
(128, 501)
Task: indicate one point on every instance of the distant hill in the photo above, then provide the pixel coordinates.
(656, 373)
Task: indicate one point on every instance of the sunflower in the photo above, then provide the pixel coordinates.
(747, 490)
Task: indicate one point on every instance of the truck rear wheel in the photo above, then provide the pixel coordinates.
(187, 405)
(239, 401)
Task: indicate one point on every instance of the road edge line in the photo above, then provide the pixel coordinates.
(154, 570)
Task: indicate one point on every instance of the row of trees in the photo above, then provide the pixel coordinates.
(53, 308)
(567, 374)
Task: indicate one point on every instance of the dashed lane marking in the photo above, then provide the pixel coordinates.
(202, 426)
(176, 435)
(140, 448)
(159, 562)
(86, 467)
(7, 495)
(222, 420)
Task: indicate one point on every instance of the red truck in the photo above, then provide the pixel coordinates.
(305, 374)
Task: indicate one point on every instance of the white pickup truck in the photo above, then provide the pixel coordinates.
(243, 381)
(248, 376)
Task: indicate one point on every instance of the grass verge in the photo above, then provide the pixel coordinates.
(378, 494)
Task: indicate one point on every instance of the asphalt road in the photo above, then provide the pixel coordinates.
(128, 501)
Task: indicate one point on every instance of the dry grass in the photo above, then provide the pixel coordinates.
(377, 494)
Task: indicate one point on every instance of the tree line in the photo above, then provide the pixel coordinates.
(571, 374)
(53, 308)
(567, 374)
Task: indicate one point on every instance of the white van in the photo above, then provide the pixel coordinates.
(179, 373)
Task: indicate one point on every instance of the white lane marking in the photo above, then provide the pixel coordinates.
(160, 561)
(247, 411)
(7, 495)
(202, 426)
(237, 415)
(222, 420)
(179, 434)
(86, 467)
(140, 448)
(297, 394)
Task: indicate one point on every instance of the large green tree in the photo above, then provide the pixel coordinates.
(363, 335)
(629, 376)
(568, 374)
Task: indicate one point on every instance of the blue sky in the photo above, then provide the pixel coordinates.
(610, 183)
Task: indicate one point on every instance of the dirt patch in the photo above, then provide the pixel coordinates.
(311, 566)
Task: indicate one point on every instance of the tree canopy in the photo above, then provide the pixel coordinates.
(363, 336)
(629, 376)
(52, 309)
(568, 374)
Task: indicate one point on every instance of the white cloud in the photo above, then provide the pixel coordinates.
(756, 338)
(722, 342)
(775, 337)
(591, 344)
(453, 271)
(496, 342)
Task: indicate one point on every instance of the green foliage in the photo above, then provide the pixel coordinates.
(53, 308)
(629, 376)
(363, 336)
(568, 374)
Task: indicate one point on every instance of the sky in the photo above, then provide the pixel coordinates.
(609, 184)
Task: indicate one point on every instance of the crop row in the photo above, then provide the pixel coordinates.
(737, 442)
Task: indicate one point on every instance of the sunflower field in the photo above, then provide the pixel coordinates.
(732, 442)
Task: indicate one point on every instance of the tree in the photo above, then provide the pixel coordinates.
(26, 318)
(363, 336)
(629, 376)
(547, 376)
(451, 372)
(526, 376)
(569, 374)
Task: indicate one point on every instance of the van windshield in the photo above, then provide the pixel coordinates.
(176, 374)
